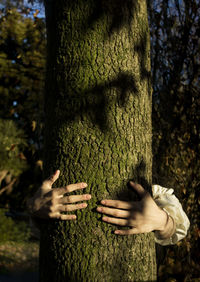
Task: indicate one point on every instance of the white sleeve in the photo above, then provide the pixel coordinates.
(166, 200)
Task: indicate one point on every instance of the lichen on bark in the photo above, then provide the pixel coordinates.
(98, 130)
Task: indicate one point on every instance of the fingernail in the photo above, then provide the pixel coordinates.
(84, 205)
(73, 217)
(84, 184)
(117, 232)
(88, 197)
(104, 218)
(103, 202)
(99, 209)
(131, 182)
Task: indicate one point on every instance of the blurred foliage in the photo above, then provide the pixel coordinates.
(12, 145)
(175, 30)
(22, 64)
(22, 55)
(11, 230)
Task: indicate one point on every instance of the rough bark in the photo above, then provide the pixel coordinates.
(98, 130)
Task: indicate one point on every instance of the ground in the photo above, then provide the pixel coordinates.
(19, 262)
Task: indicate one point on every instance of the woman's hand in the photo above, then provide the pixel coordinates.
(51, 202)
(142, 216)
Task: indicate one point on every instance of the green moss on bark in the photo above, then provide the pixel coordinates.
(98, 130)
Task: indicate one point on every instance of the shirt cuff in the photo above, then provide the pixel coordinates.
(166, 200)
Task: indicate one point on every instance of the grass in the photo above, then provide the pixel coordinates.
(17, 252)
(19, 257)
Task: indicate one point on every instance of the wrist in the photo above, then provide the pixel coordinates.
(163, 217)
(168, 227)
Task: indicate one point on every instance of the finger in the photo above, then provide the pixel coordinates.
(57, 215)
(117, 221)
(73, 187)
(67, 216)
(68, 208)
(114, 212)
(139, 189)
(74, 198)
(49, 181)
(117, 204)
(127, 231)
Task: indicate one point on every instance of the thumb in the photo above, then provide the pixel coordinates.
(47, 184)
(138, 189)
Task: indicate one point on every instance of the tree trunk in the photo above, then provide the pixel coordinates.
(98, 130)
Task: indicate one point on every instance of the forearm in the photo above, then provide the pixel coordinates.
(167, 230)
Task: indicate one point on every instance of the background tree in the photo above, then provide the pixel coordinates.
(12, 159)
(176, 117)
(22, 59)
(98, 129)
